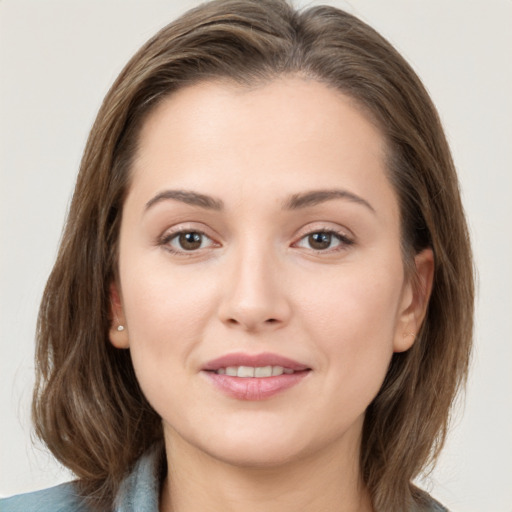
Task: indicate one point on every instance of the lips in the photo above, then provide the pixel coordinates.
(255, 361)
(254, 377)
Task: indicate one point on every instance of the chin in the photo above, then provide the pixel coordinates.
(241, 444)
(254, 456)
(263, 445)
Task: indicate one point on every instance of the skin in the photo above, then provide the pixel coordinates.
(256, 284)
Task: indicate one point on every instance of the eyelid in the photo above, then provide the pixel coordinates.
(345, 236)
(326, 227)
(171, 233)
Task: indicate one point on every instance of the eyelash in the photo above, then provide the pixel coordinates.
(344, 240)
(166, 239)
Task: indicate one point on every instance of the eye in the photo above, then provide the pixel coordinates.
(186, 241)
(324, 241)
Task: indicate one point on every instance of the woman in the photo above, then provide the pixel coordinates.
(263, 296)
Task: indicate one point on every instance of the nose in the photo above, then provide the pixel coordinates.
(254, 297)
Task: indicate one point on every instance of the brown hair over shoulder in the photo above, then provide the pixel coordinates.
(88, 407)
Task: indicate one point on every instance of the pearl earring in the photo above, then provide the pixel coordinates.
(120, 328)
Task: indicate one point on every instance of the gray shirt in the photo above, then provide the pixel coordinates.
(139, 492)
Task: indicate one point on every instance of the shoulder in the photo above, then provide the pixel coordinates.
(62, 498)
(138, 491)
(435, 506)
(425, 502)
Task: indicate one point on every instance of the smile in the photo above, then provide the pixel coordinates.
(251, 371)
(254, 377)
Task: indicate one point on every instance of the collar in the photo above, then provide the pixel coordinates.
(140, 490)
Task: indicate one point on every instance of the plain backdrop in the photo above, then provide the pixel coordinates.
(57, 60)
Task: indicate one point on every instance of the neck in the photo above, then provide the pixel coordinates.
(327, 481)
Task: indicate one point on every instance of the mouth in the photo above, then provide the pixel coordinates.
(254, 377)
(257, 372)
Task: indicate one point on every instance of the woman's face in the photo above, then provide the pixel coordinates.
(260, 231)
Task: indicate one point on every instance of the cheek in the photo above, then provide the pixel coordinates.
(353, 305)
(166, 312)
(353, 321)
(165, 317)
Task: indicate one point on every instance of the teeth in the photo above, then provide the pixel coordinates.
(250, 371)
(245, 371)
(277, 370)
(263, 371)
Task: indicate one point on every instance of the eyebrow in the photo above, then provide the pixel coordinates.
(188, 197)
(314, 197)
(294, 202)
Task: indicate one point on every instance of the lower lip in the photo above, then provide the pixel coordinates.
(255, 388)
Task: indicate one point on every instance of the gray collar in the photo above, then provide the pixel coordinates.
(140, 490)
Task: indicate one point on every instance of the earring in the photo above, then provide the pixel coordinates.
(120, 328)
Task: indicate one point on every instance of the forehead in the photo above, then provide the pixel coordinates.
(285, 104)
(289, 132)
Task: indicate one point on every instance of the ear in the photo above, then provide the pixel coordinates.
(415, 301)
(118, 332)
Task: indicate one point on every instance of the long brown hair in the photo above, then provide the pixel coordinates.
(88, 407)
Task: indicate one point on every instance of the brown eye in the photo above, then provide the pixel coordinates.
(190, 241)
(320, 241)
(187, 242)
(324, 241)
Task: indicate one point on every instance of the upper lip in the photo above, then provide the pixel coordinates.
(254, 360)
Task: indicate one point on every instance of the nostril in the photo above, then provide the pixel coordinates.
(250, 323)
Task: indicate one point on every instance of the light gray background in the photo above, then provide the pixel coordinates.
(57, 60)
